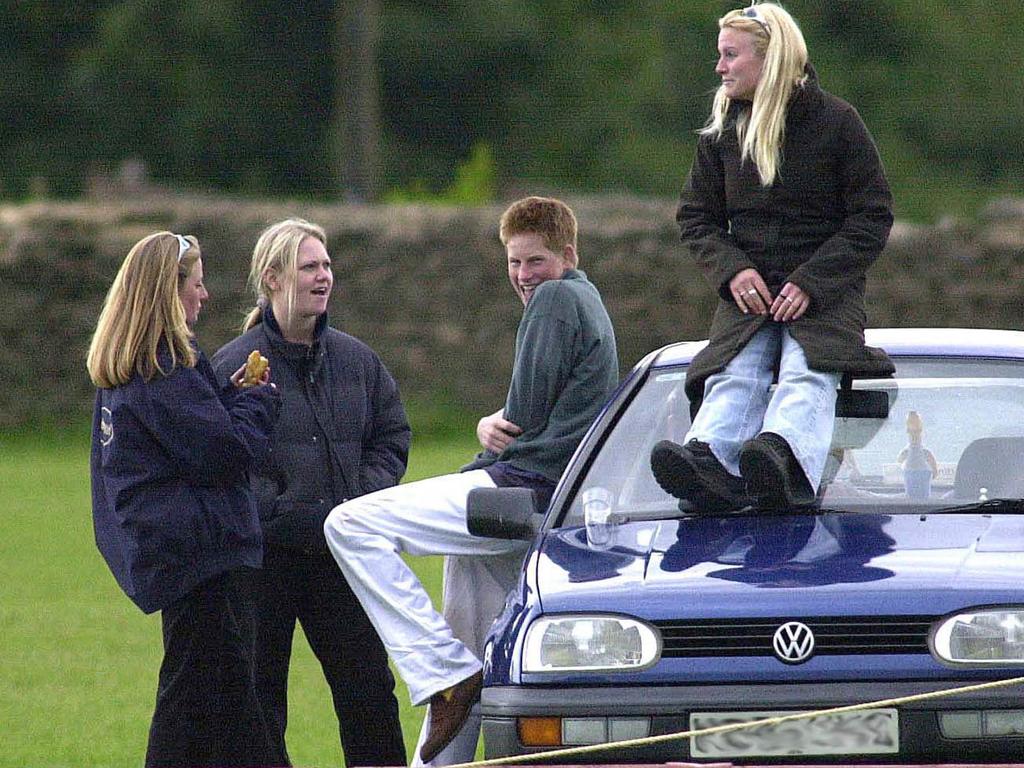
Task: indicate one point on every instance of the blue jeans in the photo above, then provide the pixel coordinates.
(738, 405)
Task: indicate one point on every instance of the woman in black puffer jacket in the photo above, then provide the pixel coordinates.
(342, 433)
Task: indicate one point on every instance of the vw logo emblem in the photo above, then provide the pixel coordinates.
(793, 642)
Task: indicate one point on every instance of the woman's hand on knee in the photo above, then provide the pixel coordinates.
(750, 292)
(790, 304)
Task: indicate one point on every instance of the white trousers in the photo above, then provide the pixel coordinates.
(367, 537)
(474, 594)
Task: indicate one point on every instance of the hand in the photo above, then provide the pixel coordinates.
(495, 433)
(750, 292)
(790, 304)
(238, 377)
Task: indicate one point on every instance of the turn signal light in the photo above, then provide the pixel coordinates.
(540, 731)
(580, 731)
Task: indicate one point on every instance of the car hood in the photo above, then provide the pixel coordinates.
(748, 565)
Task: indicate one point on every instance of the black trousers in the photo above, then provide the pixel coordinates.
(308, 587)
(207, 710)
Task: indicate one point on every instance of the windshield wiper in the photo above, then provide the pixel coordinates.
(988, 506)
(685, 509)
(690, 510)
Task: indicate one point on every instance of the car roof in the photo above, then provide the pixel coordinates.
(944, 342)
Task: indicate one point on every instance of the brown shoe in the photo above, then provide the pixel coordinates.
(448, 712)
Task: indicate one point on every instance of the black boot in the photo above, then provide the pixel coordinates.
(693, 473)
(774, 477)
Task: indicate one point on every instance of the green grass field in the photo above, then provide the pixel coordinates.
(79, 661)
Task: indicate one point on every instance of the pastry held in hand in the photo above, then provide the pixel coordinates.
(255, 367)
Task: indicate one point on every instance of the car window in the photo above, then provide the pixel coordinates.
(968, 414)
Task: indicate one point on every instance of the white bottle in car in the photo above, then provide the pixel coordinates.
(919, 466)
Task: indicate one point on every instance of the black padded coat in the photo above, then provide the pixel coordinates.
(342, 430)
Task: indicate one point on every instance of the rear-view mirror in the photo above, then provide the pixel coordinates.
(862, 404)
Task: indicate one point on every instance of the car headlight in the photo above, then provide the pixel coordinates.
(989, 636)
(581, 643)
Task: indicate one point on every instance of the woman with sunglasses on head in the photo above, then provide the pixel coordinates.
(343, 433)
(173, 514)
(785, 208)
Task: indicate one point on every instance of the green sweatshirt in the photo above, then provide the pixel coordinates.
(566, 367)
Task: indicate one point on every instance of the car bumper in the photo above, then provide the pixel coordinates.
(667, 707)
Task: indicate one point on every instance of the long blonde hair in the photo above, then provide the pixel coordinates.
(277, 251)
(141, 308)
(761, 127)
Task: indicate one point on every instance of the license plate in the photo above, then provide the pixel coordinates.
(874, 731)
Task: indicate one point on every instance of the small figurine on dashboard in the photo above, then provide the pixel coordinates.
(918, 463)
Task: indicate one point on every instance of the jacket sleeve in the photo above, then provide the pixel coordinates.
(704, 222)
(547, 345)
(210, 440)
(222, 363)
(386, 436)
(842, 261)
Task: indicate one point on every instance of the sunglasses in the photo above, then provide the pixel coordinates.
(754, 15)
(183, 245)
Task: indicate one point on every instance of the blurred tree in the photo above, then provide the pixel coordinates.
(281, 96)
(213, 93)
(578, 95)
(157, 83)
(355, 125)
(38, 111)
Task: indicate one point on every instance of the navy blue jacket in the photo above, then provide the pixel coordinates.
(342, 433)
(170, 490)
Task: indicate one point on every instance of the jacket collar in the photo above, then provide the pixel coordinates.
(801, 101)
(573, 273)
(292, 350)
(805, 97)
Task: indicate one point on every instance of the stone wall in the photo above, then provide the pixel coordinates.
(426, 286)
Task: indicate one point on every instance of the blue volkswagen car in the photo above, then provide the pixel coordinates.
(637, 615)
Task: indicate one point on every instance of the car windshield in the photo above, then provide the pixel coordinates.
(954, 437)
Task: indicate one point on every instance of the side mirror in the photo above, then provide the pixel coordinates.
(503, 513)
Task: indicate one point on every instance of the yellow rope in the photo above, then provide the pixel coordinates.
(559, 753)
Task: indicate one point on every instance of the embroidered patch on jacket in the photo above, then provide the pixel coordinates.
(106, 427)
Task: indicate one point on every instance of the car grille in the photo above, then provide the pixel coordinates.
(842, 635)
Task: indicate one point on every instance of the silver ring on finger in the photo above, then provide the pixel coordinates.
(752, 292)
